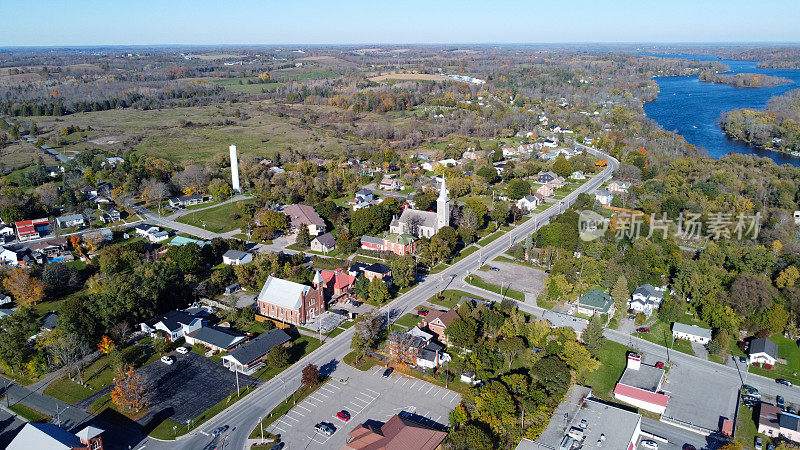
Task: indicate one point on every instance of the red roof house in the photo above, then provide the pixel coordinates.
(32, 229)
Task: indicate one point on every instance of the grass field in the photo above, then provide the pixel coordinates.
(218, 219)
(478, 282)
(408, 320)
(613, 358)
(96, 377)
(407, 76)
(450, 298)
(491, 238)
(464, 253)
(30, 414)
(365, 364)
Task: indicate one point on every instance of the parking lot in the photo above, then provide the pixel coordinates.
(519, 277)
(699, 396)
(366, 396)
(188, 387)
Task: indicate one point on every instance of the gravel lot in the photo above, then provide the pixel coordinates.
(521, 278)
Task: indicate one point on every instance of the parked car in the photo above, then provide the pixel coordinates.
(748, 390)
(343, 415)
(167, 360)
(750, 401)
(791, 410)
(422, 312)
(632, 317)
(643, 330)
(770, 447)
(689, 447)
(325, 428)
(278, 446)
(652, 445)
(660, 364)
(182, 350)
(495, 269)
(219, 430)
(387, 372)
(783, 381)
(779, 402)
(743, 360)
(759, 443)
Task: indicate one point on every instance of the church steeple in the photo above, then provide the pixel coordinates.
(442, 207)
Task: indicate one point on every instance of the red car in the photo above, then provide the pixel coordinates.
(343, 415)
(643, 330)
(422, 312)
(660, 364)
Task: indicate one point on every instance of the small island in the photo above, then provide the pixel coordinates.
(744, 80)
(774, 128)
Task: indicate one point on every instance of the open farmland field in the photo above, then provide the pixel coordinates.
(20, 155)
(408, 76)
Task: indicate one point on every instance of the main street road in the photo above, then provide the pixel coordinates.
(244, 415)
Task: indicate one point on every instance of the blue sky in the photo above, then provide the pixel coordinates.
(207, 22)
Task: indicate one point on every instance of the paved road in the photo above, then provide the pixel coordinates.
(244, 415)
(170, 222)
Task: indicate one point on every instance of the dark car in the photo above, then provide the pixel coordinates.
(325, 428)
(278, 446)
(643, 330)
(219, 430)
(779, 402)
(750, 401)
(387, 372)
(791, 410)
(689, 447)
(495, 269)
(783, 381)
(743, 360)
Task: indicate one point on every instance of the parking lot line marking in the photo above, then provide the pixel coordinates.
(333, 386)
(437, 419)
(326, 390)
(412, 386)
(297, 412)
(404, 383)
(439, 392)
(285, 423)
(320, 393)
(278, 428)
(375, 392)
(308, 399)
(397, 379)
(301, 406)
(377, 369)
(290, 417)
(360, 401)
(422, 387)
(454, 397)
(426, 392)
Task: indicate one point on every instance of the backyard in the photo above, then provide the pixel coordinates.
(613, 358)
(219, 219)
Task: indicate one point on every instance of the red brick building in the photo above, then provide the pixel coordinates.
(290, 302)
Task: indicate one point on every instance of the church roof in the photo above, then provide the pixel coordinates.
(424, 218)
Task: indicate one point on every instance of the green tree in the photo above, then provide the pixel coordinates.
(278, 357)
(499, 213)
(620, 293)
(470, 437)
(462, 332)
(403, 269)
(518, 188)
(593, 335)
(220, 189)
(378, 291)
(562, 167)
(489, 174)
(303, 236)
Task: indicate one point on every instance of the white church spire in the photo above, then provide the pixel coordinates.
(442, 207)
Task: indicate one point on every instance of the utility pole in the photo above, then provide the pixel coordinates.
(237, 382)
(261, 422)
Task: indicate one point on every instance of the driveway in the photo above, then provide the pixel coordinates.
(699, 350)
(516, 276)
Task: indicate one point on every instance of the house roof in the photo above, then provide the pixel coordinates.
(258, 347)
(426, 219)
(560, 320)
(401, 239)
(371, 240)
(396, 434)
(445, 316)
(89, 433)
(647, 377)
(173, 320)
(764, 345)
(529, 198)
(283, 293)
(327, 240)
(341, 279)
(768, 415)
(218, 337)
(235, 254)
(641, 394)
(70, 218)
(49, 320)
(789, 421)
(648, 290)
(44, 436)
(364, 192)
(377, 268)
(693, 330)
(303, 214)
(596, 299)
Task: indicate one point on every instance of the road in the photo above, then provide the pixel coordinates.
(243, 416)
(170, 222)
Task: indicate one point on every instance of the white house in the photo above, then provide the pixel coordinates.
(763, 351)
(144, 230)
(236, 257)
(528, 203)
(158, 236)
(174, 325)
(691, 333)
(619, 187)
(323, 243)
(646, 299)
(603, 197)
(577, 175)
(70, 220)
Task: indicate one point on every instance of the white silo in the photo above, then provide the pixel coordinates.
(234, 168)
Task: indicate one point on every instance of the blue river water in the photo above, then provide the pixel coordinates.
(693, 108)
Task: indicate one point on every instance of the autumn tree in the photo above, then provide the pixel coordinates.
(106, 345)
(367, 328)
(130, 391)
(25, 289)
(310, 375)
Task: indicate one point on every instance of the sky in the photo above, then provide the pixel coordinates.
(268, 22)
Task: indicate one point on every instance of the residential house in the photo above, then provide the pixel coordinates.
(158, 236)
(437, 321)
(546, 177)
(186, 200)
(397, 433)
(561, 320)
(603, 197)
(50, 248)
(577, 175)
(15, 257)
(145, 230)
(70, 220)
(305, 215)
(49, 321)
(790, 426)
(334, 283)
(112, 215)
(89, 191)
(528, 203)
(545, 190)
(389, 184)
(112, 161)
(48, 436)
(323, 243)
(691, 333)
(415, 348)
(32, 229)
(6, 231)
(768, 422)
(763, 351)
(640, 386)
(365, 195)
(54, 171)
(646, 299)
(236, 257)
(619, 187)
(399, 244)
(290, 302)
(218, 339)
(595, 302)
(5, 300)
(378, 270)
(250, 356)
(173, 325)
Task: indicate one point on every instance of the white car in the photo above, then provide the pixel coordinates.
(652, 445)
(182, 350)
(167, 360)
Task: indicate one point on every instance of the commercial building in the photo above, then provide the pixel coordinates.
(640, 386)
(397, 433)
(250, 356)
(32, 229)
(290, 302)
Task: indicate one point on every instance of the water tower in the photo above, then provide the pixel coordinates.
(235, 168)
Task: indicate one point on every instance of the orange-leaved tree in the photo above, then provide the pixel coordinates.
(106, 345)
(24, 288)
(129, 391)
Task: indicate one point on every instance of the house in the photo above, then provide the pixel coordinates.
(70, 220)
(112, 215)
(32, 229)
(595, 302)
(789, 426)
(646, 299)
(577, 175)
(640, 386)
(249, 357)
(437, 321)
(49, 321)
(145, 230)
(218, 339)
(236, 257)
(230, 289)
(424, 223)
(6, 230)
(603, 197)
(691, 333)
(399, 244)
(397, 433)
(561, 320)
(378, 270)
(53, 171)
(48, 436)
(763, 351)
(5, 300)
(50, 248)
(290, 302)
(186, 200)
(469, 378)
(323, 243)
(305, 215)
(89, 191)
(415, 348)
(528, 203)
(365, 195)
(335, 283)
(619, 187)
(546, 177)
(173, 325)
(112, 161)
(14, 257)
(158, 236)
(389, 184)
(768, 422)
(545, 190)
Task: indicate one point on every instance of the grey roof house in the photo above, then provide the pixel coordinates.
(216, 338)
(646, 299)
(248, 357)
(763, 351)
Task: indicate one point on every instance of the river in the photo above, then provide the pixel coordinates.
(693, 108)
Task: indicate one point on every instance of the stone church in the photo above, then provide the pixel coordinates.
(424, 223)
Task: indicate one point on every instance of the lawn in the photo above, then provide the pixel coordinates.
(365, 364)
(661, 334)
(450, 298)
(30, 414)
(97, 376)
(491, 238)
(464, 253)
(478, 282)
(613, 358)
(218, 219)
(301, 347)
(438, 268)
(788, 350)
(409, 320)
(746, 428)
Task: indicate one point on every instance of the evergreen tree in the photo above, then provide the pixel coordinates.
(303, 237)
(620, 293)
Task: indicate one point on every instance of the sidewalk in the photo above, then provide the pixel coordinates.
(63, 414)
